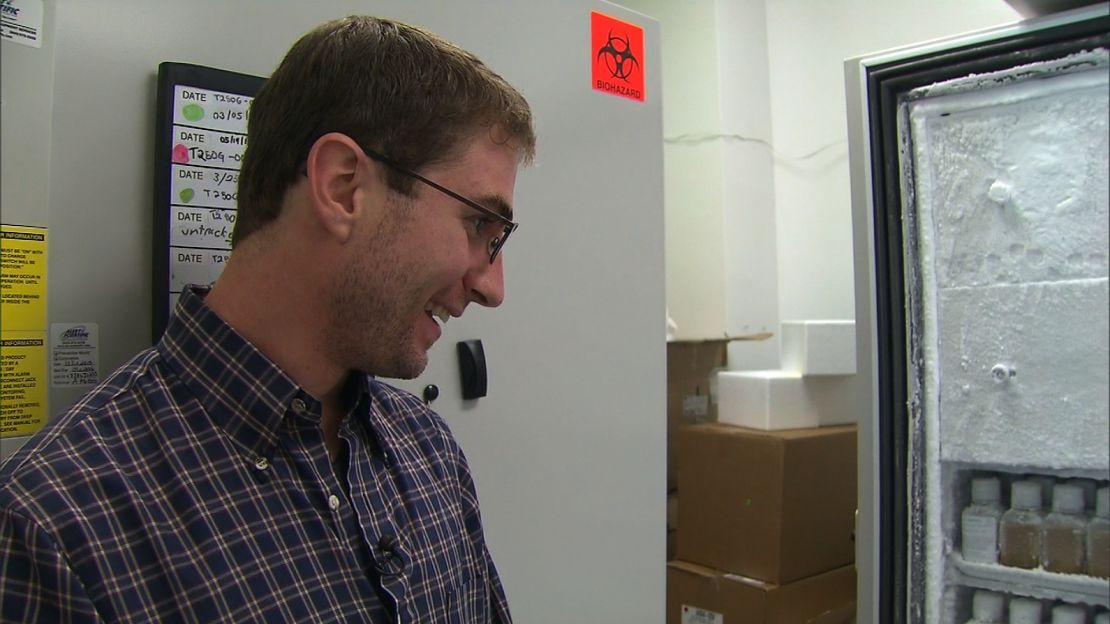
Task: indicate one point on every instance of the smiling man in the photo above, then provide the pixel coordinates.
(250, 466)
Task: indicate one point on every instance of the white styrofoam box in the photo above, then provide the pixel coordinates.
(779, 399)
(1023, 374)
(825, 347)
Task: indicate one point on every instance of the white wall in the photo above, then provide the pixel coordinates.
(758, 215)
(695, 239)
(748, 176)
(807, 43)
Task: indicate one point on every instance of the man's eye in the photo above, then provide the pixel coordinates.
(481, 225)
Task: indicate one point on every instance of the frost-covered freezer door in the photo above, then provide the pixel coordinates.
(1006, 198)
(1011, 196)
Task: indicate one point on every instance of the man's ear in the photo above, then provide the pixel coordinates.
(336, 174)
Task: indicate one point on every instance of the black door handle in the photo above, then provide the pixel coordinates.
(472, 368)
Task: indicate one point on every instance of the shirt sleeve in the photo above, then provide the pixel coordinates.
(499, 603)
(36, 582)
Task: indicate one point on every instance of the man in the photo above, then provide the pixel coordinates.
(249, 467)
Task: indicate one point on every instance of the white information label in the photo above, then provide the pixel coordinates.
(74, 354)
(980, 538)
(21, 22)
(697, 615)
(201, 227)
(195, 266)
(695, 405)
(211, 110)
(205, 188)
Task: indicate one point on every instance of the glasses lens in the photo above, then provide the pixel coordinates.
(497, 243)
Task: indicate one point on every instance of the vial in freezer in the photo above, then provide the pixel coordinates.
(1020, 528)
(1064, 532)
(1068, 614)
(979, 521)
(1098, 536)
(1025, 611)
(987, 607)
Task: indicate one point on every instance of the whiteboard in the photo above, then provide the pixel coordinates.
(201, 134)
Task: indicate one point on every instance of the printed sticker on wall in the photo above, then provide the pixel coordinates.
(617, 53)
(74, 354)
(21, 22)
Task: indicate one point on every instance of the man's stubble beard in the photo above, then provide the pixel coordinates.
(373, 304)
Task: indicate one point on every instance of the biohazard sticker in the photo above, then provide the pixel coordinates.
(617, 53)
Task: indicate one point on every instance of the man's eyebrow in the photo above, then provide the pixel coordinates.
(497, 204)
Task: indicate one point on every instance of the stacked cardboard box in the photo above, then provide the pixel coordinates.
(765, 525)
(700, 594)
(692, 366)
(691, 370)
(672, 523)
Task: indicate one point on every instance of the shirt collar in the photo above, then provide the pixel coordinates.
(244, 392)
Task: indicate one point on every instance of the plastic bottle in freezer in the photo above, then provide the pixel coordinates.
(987, 607)
(1098, 536)
(1068, 614)
(1020, 529)
(979, 521)
(1064, 533)
(1089, 487)
(1025, 611)
(1048, 484)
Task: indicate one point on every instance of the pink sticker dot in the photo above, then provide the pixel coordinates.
(180, 154)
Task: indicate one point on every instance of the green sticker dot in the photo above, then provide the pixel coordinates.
(186, 195)
(193, 112)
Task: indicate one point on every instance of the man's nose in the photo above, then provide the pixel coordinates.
(485, 283)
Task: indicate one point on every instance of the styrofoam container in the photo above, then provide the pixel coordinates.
(779, 399)
(824, 347)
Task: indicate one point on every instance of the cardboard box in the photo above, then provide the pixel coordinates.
(704, 595)
(691, 395)
(690, 369)
(777, 506)
(672, 524)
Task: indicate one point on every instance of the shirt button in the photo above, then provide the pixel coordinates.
(261, 463)
(299, 406)
(333, 502)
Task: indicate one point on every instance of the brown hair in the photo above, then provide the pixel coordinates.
(396, 88)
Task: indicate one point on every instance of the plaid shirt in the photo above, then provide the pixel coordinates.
(193, 485)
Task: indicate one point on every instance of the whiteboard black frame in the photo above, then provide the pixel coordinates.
(170, 76)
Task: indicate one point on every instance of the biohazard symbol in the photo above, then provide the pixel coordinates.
(618, 57)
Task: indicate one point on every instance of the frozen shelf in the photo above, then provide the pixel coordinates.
(1034, 583)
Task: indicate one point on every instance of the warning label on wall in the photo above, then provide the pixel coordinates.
(617, 50)
(22, 383)
(22, 278)
(22, 329)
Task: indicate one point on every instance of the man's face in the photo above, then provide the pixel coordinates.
(427, 257)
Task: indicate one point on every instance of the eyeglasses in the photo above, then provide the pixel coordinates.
(496, 242)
